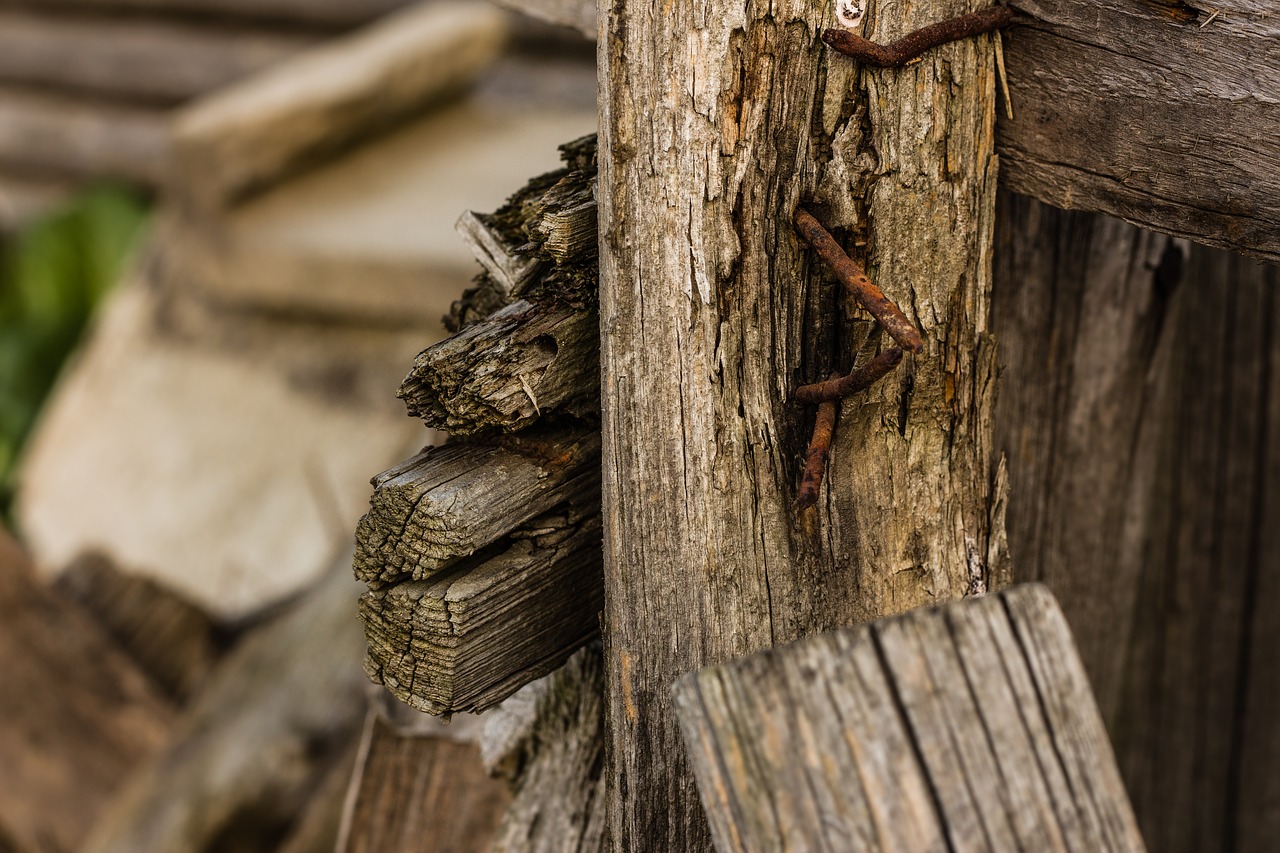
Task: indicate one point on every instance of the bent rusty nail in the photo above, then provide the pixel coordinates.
(861, 379)
(851, 275)
(815, 461)
(910, 46)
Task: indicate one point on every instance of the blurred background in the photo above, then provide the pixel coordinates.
(226, 228)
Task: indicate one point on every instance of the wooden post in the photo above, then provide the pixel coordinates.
(717, 120)
(965, 727)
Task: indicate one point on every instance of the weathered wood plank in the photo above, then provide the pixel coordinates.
(246, 136)
(329, 13)
(1137, 415)
(717, 120)
(420, 794)
(59, 135)
(429, 512)
(1163, 113)
(510, 270)
(255, 744)
(966, 727)
(471, 636)
(76, 713)
(577, 14)
(134, 59)
(505, 370)
(557, 762)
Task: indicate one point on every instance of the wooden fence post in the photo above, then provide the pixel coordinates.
(965, 727)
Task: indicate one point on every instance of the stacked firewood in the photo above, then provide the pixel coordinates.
(482, 557)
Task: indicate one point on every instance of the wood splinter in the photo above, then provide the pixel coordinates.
(889, 315)
(907, 48)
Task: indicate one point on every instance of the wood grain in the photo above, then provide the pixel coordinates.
(429, 512)
(1159, 112)
(505, 370)
(717, 119)
(965, 727)
(471, 636)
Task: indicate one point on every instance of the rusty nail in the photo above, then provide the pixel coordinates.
(815, 461)
(861, 379)
(872, 298)
(913, 44)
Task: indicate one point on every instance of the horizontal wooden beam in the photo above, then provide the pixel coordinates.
(471, 636)
(142, 60)
(965, 727)
(1162, 112)
(506, 369)
(446, 503)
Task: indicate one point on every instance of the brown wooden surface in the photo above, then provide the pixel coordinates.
(1160, 112)
(964, 727)
(473, 635)
(134, 59)
(1138, 415)
(421, 794)
(76, 713)
(506, 369)
(717, 121)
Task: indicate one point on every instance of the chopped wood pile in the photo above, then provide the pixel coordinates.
(482, 557)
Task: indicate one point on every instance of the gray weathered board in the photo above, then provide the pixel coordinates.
(1162, 112)
(965, 727)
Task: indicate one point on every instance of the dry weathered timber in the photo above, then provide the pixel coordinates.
(1138, 417)
(258, 740)
(1161, 112)
(469, 637)
(76, 713)
(420, 793)
(133, 59)
(429, 512)
(249, 135)
(328, 13)
(504, 371)
(316, 829)
(175, 641)
(965, 727)
(558, 761)
(61, 135)
(718, 120)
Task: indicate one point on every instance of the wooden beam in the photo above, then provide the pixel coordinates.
(471, 636)
(718, 120)
(62, 136)
(966, 727)
(1160, 112)
(245, 137)
(131, 59)
(506, 369)
(444, 504)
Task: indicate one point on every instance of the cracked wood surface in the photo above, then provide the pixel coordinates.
(506, 369)
(964, 727)
(429, 512)
(469, 637)
(717, 119)
(1140, 413)
(1161, 112)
